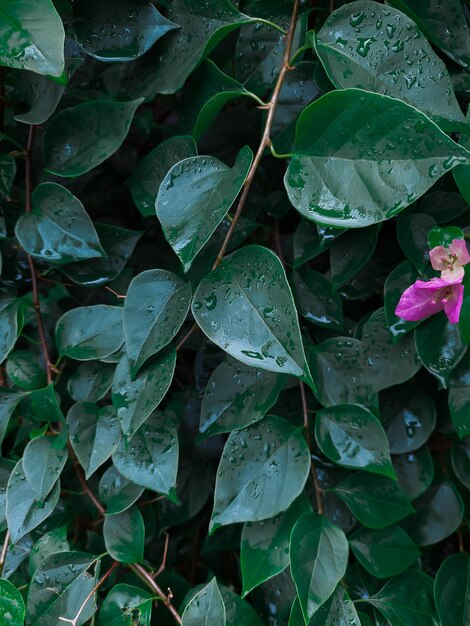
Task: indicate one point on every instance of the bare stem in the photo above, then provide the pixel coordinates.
(3, 553)
(142, 573)
(313, 470)
(99, 507)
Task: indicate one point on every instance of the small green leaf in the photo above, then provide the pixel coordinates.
(262, 470)
(338, 610)
(245, 306)
(25, 370)
(317, 300)
(352, 169)
(82, 137)
(135, 399)
(194, 197)
(460, 456)
(319, 556)
(264, 548)
(452, 590)
(150, 458)
(150, 172)
(376, 501)
(406, 600)
(94, 434)
(124, 536)
(8, 403)
(236, 396)
(116, 492)
(7, 174)
(42, 405)
(156, 306)
(43, 462)
(415, 471)
(349, 253)
(438, 236)
(412, 234)
(124, 599)
(90, 332)
(58, 228)
(206, 607)
(12, 609)
(10, 323)
(351, 436)
(91, 381)
(32, 36)
(50, 543)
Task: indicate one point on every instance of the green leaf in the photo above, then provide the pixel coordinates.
(318, 556)
(7, 174)
(155, 308)
(406, 600)
(397, 281)
(412, 234)
(351, 436)
(58, 228)
(118, 244)
(380, 49)
(383, 553)
(124, 536)
(74, 576)
(439, 346)
(10, 316)
(124, 601)
(120, 31)
(349, 253)
(338, 610)
(90, 332)
(428, 525)
(32, 37)
(43, 462)
(94, 434)
(262, 470)
(193, 199)
(310, 240)
(236, 396)
(375, 501)
(6, 468)
(24, 511)
(8, 403)
(91, 381)
(452, 590)
(135, 399)
(317, 300)
(150, 458)
(206, 607)
(464, 320)
(238, 611)
(438, 236)
(361, 158)
(50, 543)
(150, 172)
(82, 137)
(40, 94)
(264, 548)
(460, 456)
(116, 492)
(245, 306)
(12, 609)
(43, 406)
(25, 370)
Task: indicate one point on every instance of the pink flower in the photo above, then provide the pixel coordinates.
(450, 261)
(425, 298)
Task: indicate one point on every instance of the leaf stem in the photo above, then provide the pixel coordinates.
(142, 573)
(318, 490)
(261, 20)
(3, 553)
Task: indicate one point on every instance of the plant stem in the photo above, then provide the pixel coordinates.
(3, 553)
(142, 573)
(313, 469)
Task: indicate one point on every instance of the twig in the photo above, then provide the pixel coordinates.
(99, 507)
(3, 554)
(460, 539)
(32, 269)
(165, 554)
(309, 443)
(142, 573)
(115, 293)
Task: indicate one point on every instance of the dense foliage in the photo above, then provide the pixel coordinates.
(210, 412)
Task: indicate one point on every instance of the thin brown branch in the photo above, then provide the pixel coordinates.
(99, 507)
(3, 553)
(162, 567)
(318, 490)
(460, 539)
(142, 573)
(32, 268)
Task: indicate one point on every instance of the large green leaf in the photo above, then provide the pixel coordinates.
(12, 609)
(264, 548)
(119, 31)
(193, 199)
(452, 590)
(245, 306)
(351, 436)
(349, 253)
(94, 434)
(156, 306)
(43, 462)
(319, 556)
(32, 36)
(317, 300)
(262, 470)
(25, 370)
(58, 228)
(124, 535)
(206, 607)
(361, 158)
(375, 501)
(147, 177)
(82, 137)
(91, 381)
(24, 511)
(406, 600)
(74, 576)
(90, 332)
(122, 602)
(135, 399)
(150, 458)
(236, 396)
(378, 48)
(383, 553)
(50, 543)
(116, 492)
